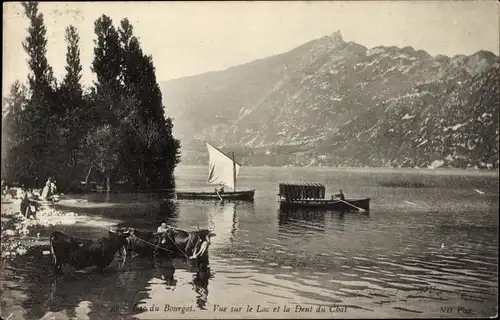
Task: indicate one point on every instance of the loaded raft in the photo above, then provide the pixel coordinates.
(313, 195)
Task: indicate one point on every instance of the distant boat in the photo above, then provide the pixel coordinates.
(222, 169)
(312, 196)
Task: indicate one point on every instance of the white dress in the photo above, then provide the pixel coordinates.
(46, 192)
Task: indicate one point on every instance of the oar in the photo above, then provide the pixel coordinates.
(360, 209)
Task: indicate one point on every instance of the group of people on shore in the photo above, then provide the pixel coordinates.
(29, 206)
(29, 197)
(49, 190)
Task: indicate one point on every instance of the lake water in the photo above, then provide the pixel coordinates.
(430, 251)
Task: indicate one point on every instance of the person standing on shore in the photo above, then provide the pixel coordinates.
(28, 208)
(53, 187)
(46, 190)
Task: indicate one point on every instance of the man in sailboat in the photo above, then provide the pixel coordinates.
(220, 189)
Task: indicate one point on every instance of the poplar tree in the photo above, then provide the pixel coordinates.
(41, 78)
(73, 65)
(38, 114)
(107, 99)
(72, 111)
(107, 60)
(163, 148)
(149, 134)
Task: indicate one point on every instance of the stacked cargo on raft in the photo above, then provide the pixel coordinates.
(313, 195)
(294, 191)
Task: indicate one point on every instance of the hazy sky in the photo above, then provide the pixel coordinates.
(187, 38)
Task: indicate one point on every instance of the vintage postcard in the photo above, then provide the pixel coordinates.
(254, 160)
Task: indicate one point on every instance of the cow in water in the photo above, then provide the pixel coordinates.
(83, 253)
(192, 245)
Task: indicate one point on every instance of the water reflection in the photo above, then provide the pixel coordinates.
(223, 220)
(171, 277)
(200, 286)
(167, 271)
(73, 294)
(223, 217)
(295, 220)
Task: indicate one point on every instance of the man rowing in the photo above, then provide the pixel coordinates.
(340, 195)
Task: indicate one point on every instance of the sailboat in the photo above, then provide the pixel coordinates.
(222, 170)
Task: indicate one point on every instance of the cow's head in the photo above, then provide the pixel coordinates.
(122, 234)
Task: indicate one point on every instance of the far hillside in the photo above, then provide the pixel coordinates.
(338, 103)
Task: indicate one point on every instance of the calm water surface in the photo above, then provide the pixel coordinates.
(419, 253)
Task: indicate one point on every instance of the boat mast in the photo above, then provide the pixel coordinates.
(234, 174)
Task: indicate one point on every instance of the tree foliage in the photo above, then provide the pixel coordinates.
(41, 78)
(116, 129)
(73, 64)
(13, 125)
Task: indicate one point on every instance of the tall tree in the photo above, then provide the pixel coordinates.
(107, 58)
(41, 79)
(131, 76)
(149, 134)
(108, 95)
(73, 65)
(126, 35)
(71, 121)
(164, 153)
(39, 110)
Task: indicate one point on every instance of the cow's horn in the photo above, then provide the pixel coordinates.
(111, 230)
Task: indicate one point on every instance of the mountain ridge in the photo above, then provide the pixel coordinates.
(309, 95)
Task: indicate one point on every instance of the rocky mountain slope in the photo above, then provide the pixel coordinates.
(332, 102)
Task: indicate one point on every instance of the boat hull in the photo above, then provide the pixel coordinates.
(238, 195)
(334, 205)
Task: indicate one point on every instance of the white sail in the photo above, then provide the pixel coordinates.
(221, 168)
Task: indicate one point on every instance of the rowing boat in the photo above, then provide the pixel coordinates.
(335, 205)
(312, 195)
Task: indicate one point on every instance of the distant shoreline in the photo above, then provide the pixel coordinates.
(458, 171)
